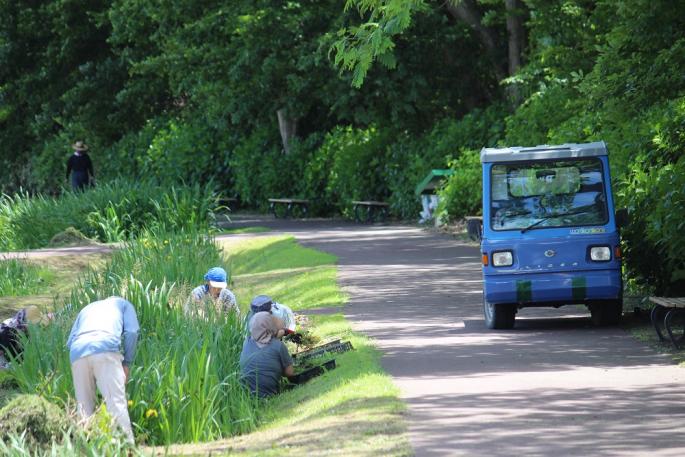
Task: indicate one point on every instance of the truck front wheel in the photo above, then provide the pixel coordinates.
(499, 316)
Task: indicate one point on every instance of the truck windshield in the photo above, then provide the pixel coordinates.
(551, 193)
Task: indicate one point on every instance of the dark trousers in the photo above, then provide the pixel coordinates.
(79, 180)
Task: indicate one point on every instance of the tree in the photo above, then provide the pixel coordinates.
(359, 46)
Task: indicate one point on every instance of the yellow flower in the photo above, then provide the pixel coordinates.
(130, 403)
(150, 413)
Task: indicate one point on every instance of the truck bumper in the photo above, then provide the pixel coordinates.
(553, 289)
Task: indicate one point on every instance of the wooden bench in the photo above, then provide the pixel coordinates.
(668, 319)
(372, 208)
(290, 203)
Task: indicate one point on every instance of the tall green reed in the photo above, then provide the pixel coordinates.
(17, 277)
(184, 384)
(111, 212)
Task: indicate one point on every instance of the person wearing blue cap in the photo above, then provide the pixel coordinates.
(214, 290)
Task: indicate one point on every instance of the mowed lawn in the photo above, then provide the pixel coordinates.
(353, 410)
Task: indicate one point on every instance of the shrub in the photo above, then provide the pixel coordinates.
(70, 237)
(355, 161)
(410, 159)
(264, 171)
(654, 193)
(462, 195)
(41, 422)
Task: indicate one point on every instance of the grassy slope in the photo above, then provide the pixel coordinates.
(299, 277)
(354, 410)
(65, 270)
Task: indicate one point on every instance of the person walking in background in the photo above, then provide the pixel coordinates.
(80, 167)
(213, 291)
(96, 359)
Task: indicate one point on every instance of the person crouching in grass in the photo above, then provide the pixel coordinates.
(11, 330)
(213, 291)
(93, 345)
(264, 359)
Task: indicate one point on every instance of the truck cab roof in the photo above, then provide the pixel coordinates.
(543, 152)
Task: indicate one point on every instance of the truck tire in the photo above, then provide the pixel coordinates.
(605, 314)
(499, 316)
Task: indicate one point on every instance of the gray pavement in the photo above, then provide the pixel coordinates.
(553, 386)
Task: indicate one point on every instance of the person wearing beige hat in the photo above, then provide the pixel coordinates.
(12, 328)
(80, 167)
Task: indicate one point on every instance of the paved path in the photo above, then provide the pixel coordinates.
(553, 386)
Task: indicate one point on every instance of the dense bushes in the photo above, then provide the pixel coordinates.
(462, 194)
(111, 212)
(654, 193)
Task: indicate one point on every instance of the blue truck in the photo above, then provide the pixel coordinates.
(550, 234)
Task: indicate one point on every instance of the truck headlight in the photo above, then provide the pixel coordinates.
(502, 259)
(600, 254)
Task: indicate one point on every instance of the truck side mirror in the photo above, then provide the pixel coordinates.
(622, 218)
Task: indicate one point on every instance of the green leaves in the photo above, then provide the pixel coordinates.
(358, 46)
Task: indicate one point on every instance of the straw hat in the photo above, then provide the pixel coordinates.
(80, 146)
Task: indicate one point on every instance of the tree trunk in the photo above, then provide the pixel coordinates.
(517, 42)
(288, 128)
(467, 11)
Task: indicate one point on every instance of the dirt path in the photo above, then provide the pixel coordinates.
(554, 386)
(58, 252)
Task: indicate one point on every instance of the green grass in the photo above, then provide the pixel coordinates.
(20, 278)
(268, 254)
(8, 389)
(299, 277)
(236, 231)
(64, 272)
(111, 212)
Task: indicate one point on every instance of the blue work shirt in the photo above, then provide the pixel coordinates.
(100, 327)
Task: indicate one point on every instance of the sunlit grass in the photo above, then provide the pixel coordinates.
(116, 211)
(303, 288)
(19, 277)
(64, 271)
(299, 277)
(269, 253)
